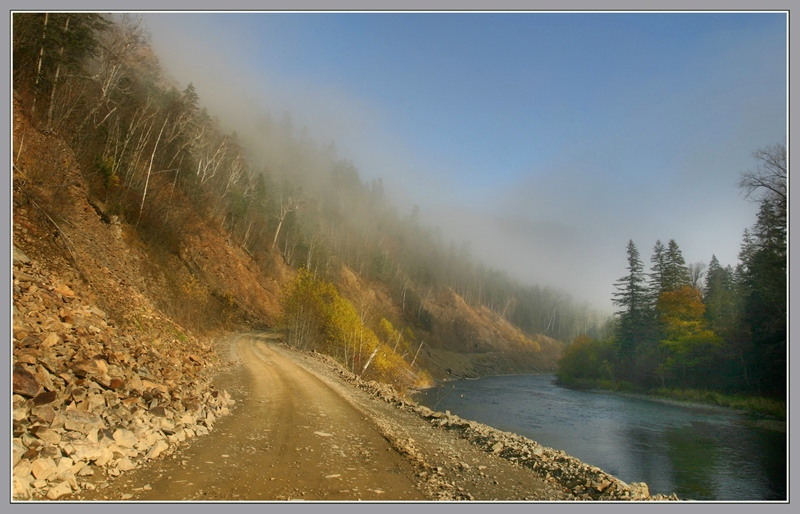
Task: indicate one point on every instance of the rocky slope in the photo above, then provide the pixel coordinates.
(90, 400)
(460, 340)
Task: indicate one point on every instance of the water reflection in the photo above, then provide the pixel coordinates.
(694, 457)
(697, 453)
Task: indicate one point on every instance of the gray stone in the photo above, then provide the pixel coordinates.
(45, 413)
(21, 487)
(68, 477)
(125, 464)
(21, 413)
(24, 382)
(81, 421)
(639, 490)
(86, 451)
(46, 434)
(23, 469)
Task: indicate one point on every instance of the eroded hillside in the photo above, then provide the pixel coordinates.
(212, 283)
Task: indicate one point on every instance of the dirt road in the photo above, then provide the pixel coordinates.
(300, 432)
(292, 437)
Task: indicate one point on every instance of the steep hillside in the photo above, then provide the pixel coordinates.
(208, 285)
(212, 283)
(457, 340)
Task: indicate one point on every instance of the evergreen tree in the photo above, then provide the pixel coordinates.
(675, 273)
(632, 298)
(719, 294)
(763, 271)
(764, 284)
(656, 276)
(49, 48)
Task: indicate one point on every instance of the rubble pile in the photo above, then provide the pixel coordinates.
(89, 401)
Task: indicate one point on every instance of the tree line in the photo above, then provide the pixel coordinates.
(701, 326)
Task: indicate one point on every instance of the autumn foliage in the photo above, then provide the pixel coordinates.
(687, 338)
(316, 317)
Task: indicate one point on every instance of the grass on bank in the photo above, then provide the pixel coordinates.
(752, 404)
(757, 405)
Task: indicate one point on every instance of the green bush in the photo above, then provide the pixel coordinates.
(586, 361)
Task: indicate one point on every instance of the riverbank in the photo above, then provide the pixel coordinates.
(753, 405)
(571, 478)
(699, 453)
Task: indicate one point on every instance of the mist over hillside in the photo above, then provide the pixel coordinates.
(206, 209)
(536, 139)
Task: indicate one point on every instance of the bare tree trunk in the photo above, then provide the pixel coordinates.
(39, 67)
(55, 82)
(369, 360)
(415, 355)
(503, 314)
(286, 208)
(150, 169)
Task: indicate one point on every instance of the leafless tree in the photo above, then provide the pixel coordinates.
(697, 271)
(769, 180)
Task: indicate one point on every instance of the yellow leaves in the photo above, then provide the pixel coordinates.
(424, 380)
(683, 304)
(682, 312)
(399, 342)
(316, 316)
(686, 332)
(194, 290)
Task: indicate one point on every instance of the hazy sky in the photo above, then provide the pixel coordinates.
(548, 140)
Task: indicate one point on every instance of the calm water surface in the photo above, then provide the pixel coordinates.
(696, 452)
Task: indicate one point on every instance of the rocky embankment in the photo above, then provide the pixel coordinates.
(89, 401)
(576, 480)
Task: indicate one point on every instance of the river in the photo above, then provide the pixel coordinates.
(699, 453)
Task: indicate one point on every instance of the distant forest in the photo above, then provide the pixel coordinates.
(160, 162)
(701, 326)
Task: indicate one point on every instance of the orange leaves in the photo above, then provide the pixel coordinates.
(682, 315)
(684, 304)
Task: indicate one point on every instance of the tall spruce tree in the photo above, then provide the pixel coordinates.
(719, 293)
(763, 271)
(632, 299)
(675, 273)
(656, 275)
(765, 292)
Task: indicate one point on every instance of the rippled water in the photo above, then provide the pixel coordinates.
(696, 452)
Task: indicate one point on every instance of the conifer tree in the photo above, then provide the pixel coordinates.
(675, 273)
(632, 299)
(656, 275)
(719, 294)
(763, 271)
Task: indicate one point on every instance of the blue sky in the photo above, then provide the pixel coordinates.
(547, 140)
